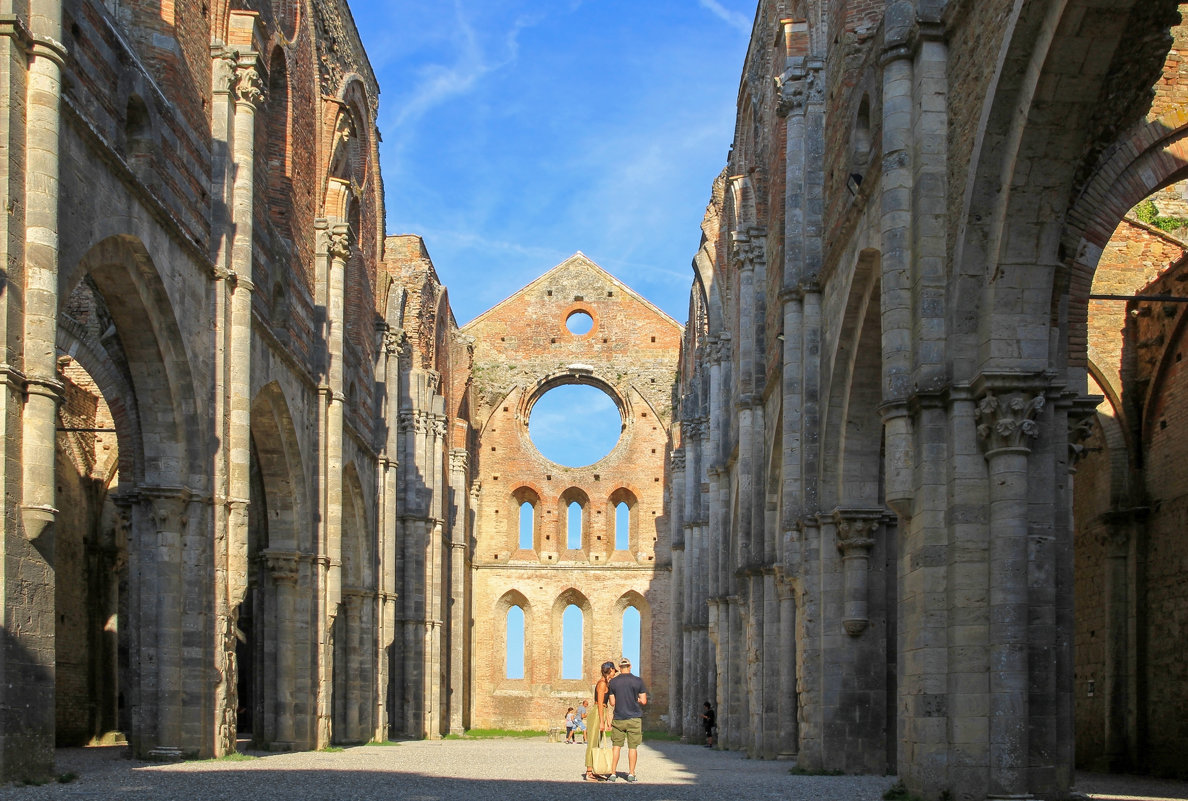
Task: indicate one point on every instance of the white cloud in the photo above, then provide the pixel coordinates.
(731, 18)
(473, 60)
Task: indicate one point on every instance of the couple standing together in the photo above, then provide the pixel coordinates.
(619, 699)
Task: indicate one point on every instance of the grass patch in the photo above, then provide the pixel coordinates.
(898, 792)
(663, 736)
(66, 778)
(234, 756)
(31, 782)
(382, 742)
(799, 771)
(332, 749)
(489, 734)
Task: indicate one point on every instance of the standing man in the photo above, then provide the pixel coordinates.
(631, 696)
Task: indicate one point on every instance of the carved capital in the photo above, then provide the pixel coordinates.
(1082, 417)
(677, 460)
(395, 341)
(855, 530)
(283, 565)
(459, 460)
(798, 87)
(338, 243)
(1007, 421)
(249, 86)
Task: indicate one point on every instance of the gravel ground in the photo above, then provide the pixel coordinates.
(483, 770)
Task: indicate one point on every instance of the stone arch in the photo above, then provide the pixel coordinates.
(521, 495)
(506, 601)
(358, 563)
(1037, 112)
(274, 438)
(275, 142)
(167, 457)
(636, 599)
(124, 275)
(1154, 157)
(851, 423)
(567, 498)
(571, 596)
(627, 496)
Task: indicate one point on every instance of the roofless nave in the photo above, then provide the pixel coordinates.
(286, 488)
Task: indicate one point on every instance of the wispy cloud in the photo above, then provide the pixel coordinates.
(731, 18)
(473, 60)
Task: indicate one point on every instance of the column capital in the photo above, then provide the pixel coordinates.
(338, 242)
(249, 86)
(856, 528)
(1006, 421)
(1082, 418)
(283, 565)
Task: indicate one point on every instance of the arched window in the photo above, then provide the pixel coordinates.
(632, 632)
(571, 642)
(573, 536)
(622, 526)
(527, 525)
(515, 643)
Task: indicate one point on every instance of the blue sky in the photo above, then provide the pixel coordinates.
(516, 132)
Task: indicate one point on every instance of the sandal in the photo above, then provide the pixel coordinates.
(591, 777)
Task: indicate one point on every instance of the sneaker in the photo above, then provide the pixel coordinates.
(631, 777)
(612, 777)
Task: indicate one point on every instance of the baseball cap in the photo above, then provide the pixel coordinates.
(624, 662)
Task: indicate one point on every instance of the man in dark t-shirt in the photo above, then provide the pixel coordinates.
(631, 696)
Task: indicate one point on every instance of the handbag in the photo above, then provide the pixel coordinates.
(601, 759)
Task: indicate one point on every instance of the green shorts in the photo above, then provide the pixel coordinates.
(629, 730)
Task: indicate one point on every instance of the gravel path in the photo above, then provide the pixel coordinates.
(481, 770)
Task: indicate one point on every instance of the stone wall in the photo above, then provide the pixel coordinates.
(522, 348)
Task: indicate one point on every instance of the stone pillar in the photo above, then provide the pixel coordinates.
(1121, 669)
(237, 401)
(283, 568)
(855, 538)
(31, 398)
(678, 699)
(789, 742)
(1004, 426)
(161, 659)
(459, 482)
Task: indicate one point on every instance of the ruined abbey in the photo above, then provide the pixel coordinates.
(904, 493)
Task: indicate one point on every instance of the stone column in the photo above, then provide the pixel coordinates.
(1121, 735)
(459, 481)
(27, 558)
(770, 746)
(283, 567)
(789, 742)
(855, 538)
(162, 667)
(678, 700)
(1004, 426)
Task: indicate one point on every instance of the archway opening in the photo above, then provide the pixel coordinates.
(514, 653)
(632, 634)
(571, 642)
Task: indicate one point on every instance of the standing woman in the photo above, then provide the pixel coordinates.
(601, 718)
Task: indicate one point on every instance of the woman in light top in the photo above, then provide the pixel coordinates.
(601, 717)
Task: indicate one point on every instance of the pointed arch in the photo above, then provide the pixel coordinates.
(278, 453)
